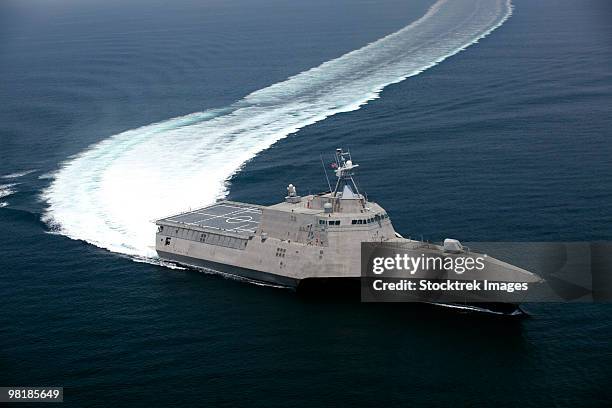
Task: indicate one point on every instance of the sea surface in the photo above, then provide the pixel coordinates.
(481, 120)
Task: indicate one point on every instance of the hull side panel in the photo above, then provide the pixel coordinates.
(231, 270)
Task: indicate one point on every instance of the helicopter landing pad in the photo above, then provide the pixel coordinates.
(223, 216)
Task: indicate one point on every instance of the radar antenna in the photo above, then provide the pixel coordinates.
(345, 170)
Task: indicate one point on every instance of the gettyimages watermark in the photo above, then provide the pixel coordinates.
(506, 272)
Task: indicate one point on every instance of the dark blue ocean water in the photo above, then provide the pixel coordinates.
(508, 140)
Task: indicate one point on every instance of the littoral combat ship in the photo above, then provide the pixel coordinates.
(295, 243)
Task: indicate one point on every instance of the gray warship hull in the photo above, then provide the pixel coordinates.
(346, 288)
(234, 271)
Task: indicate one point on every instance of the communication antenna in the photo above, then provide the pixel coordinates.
(344, 169)
(325, 171)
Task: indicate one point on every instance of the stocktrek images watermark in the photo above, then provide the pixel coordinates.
(508, 272)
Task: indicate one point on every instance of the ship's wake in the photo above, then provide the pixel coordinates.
(109, 194)
(6, 190)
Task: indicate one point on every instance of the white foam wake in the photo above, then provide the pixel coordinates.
(5, 191)
(109, 194)
(17, 174)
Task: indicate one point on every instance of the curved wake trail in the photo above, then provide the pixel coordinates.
(109, 194)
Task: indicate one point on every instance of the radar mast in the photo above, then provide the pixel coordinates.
(345, 171)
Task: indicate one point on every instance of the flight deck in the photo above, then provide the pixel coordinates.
(223, 216)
